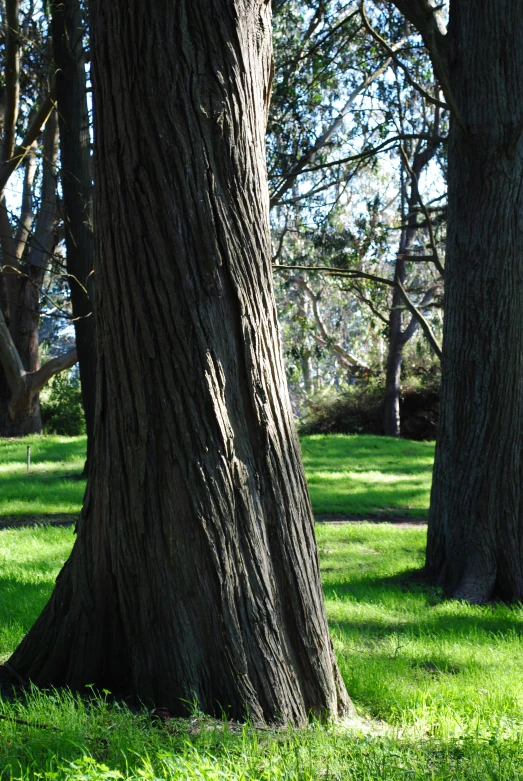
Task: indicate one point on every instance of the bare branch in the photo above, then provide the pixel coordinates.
(427, 20)
(386, 146)
(414, 179)
(25, 222)
(37, 380)
(42, 246)
(325, 339)
(427, 330)
(362, 297)
(377, 37)
(337, 273)
(412, 327)
(325, 137)
(34, 130)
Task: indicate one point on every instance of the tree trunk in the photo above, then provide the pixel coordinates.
(76, 177)
(391, 419)
(475, 544)
(195, 574)
(25, 420)
(397, 336)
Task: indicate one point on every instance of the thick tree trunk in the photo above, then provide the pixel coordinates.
(76, 177)
(195, 574)
(22, 421)
(475, 544)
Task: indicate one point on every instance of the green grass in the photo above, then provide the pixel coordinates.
(48, 488)
(346, 474)
(438, 684)
(367, 474)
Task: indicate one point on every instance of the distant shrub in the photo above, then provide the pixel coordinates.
(360, 409)
(61, 405)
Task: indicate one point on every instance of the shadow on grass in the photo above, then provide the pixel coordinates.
(498, 619)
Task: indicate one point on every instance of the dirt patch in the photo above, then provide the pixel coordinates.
(401, 521)
(16, 521)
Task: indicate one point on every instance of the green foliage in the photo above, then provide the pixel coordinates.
(359, 409)
(437, 685)
(61, 406)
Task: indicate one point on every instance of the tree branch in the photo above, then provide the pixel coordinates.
(427, 330)
(325, 339)
(34, 130)
(25, 223)
(377, 37)
(432, 239)
(42, 246)
(383, 147)
(36, 380)
(412, 327)
(325, 137)
(427, 20)
(337, 273)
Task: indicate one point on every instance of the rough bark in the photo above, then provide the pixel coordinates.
(194, 575)
(475, 544)
(76, 178)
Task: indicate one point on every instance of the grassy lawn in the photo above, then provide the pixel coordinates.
(347, 475)
(365, 474)
(438, 685)
(48, 488)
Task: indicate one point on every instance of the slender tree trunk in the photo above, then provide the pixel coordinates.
(391, 418)
(397, 336)
(305, 361)
(77, 185)
(475, 544)
(194, 575)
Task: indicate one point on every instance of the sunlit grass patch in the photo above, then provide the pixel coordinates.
(30, 560)
(367, 474)
(410, 658)
(50, 487)
(346, 475)
(438, 685)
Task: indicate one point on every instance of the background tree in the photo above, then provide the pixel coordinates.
(474, 545)
(195, 573)
(27, 245)
(68, 35)
(326, 210)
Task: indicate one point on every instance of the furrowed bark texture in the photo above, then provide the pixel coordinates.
(76, 178)
(475, 544)
(195, 573)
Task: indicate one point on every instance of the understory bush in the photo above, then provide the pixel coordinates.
(359, 409)
(61, 405)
